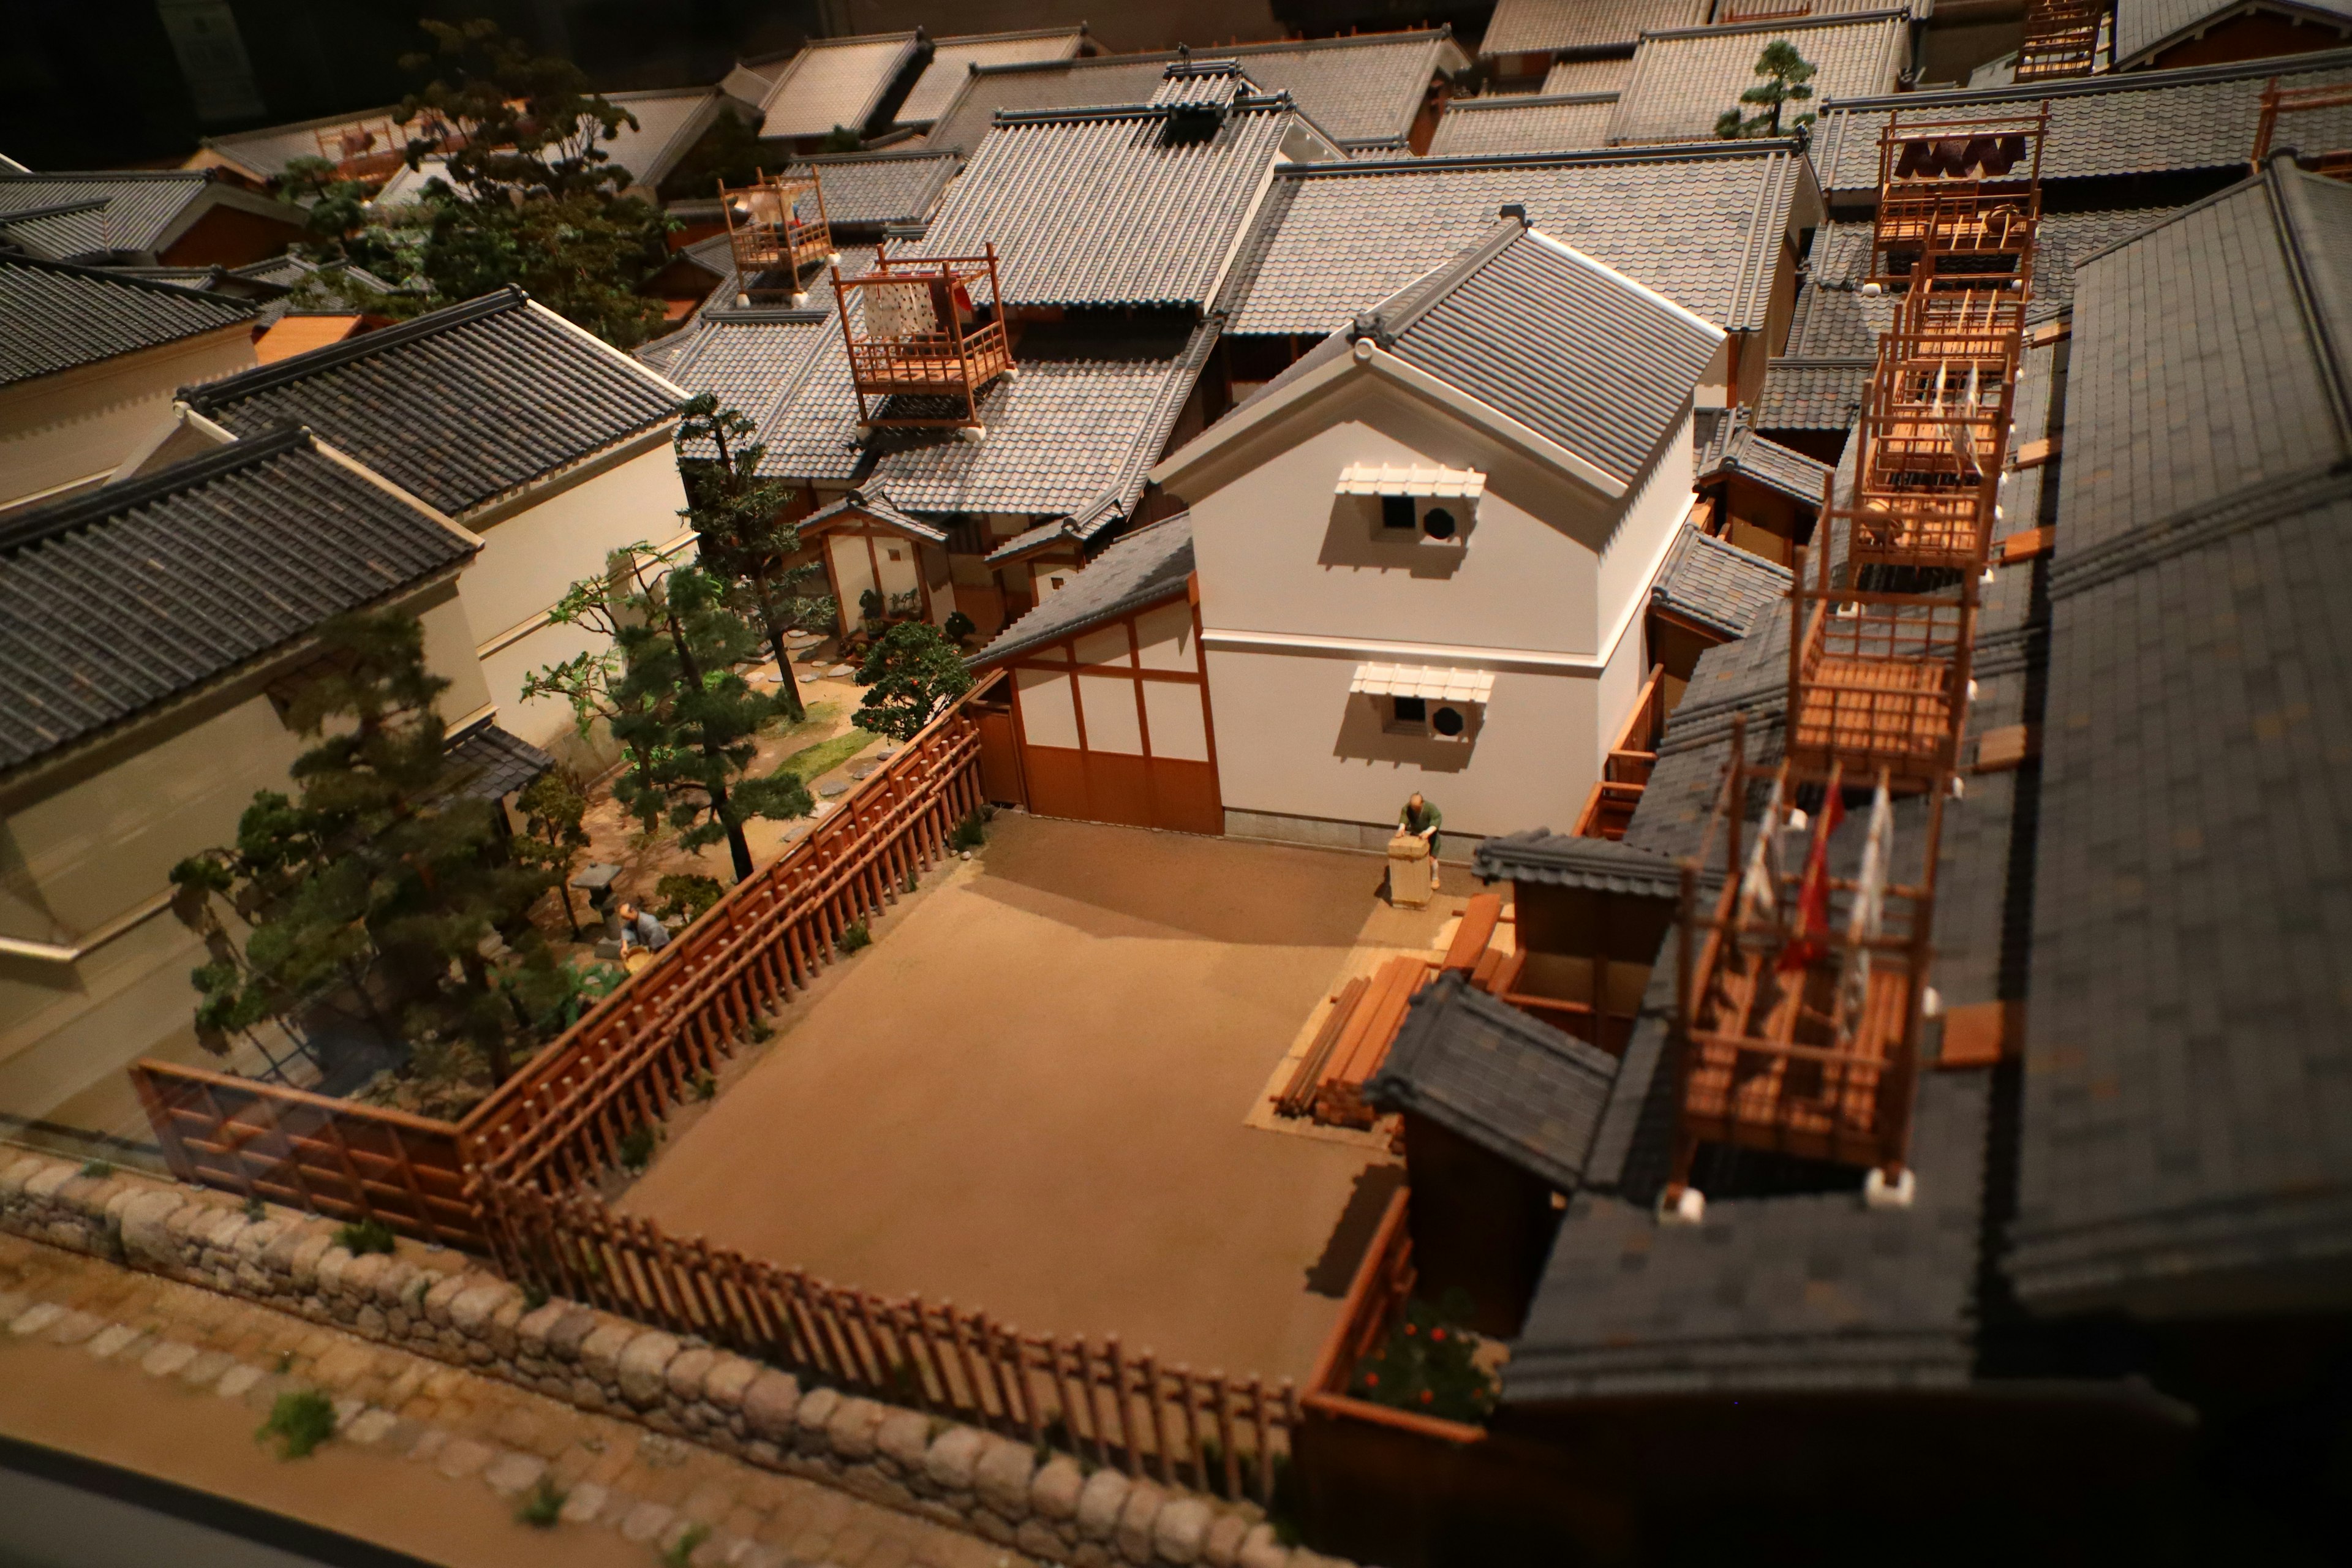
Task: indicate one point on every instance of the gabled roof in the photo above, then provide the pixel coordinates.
(836, 82)
(2146, 27)
(755, 362)
(869, 190)
(1594, 865)
(1481, 1069)
(1821, 392)
(53, 317)
(2138, 122)
(1362, 91)
(1580, 354)
(1141, 569)
(1587, 76)
(2212, 352)
(1717, 584)
(952, 60)
(1084, 418)
(488, 763)
(1564, 122)
(457, 407)
(123, 598)
(1684, 81)
(137, 210)
(669, 122)
(874, 502)
(1130, 205)
(1337, 238)
(1736, 449)
(264, 152)
(1529, 26)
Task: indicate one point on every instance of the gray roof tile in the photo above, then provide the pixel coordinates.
(952, 60)
(1594, 865)
(1336, 240)
(868, 190)
(457, 407)
(1478, 1066)
(1587, 76)
(1736, 449)
(1551, 123)
(1527, 27)
(53, 317)
(140, 207)
(488, 763)
(1812, 393)
(836, 82)
(1136, 570)
(1683, 81)
(121, 599)
(1360, 90)
(876, 501)
(1717, 584)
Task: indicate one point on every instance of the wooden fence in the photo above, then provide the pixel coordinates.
(1375, 1300)
(333, 1157)
(1206, 1431)
(560, 1121)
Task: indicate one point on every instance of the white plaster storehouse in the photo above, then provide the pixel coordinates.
(1423, 551)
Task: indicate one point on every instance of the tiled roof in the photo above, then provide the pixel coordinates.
(1736, 448)
(1562, 860)
(868, 190)
(1337, 239)
(2189, 1033)
(1561, 123)
(1525, 26)
(1718, 584)
(1587, 76)
(265, 152)
(876, 503)
(1479, 1067)
(2212, 353)
(140, 207)
(669, 123)
(1683, 81)
(1812, 393)
(1575, 351)
(1359, 89)
(2138, 122)
(457, 407)
(53, 317)
(1084, 416)
(2145, 26)
(123, 598)
(489, 762)
(953, 59)
(1117, 206)
(755, 362)
(836, 82)
(60, 233)
(1136, 570)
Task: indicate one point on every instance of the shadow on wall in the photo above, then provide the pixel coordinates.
(1371, 733)
(1343, 1254)
(1424, 539)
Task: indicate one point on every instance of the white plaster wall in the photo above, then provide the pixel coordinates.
(75, 427)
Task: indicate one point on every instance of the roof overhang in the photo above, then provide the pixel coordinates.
(1433, 479)
(856, 507)
(2312, 15)
(1429, 682)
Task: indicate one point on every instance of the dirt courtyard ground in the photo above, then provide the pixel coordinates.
(1028, 1096)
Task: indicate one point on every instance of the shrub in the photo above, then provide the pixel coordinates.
(959, 627)
(300, 1422)
(637, 1148)
(370, 1235)
(855, 937)
(971, 833)
(101, 1169)
(704, 1085)
(1427, 1365)
(683, 1547)
(255, 1209)
(683, 898)
(544, 1507)
(534, 1295)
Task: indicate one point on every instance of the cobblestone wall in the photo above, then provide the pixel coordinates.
(432, 1302)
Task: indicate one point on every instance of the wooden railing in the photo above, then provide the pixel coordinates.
(1206, 1431)
(931, 361)
(334, 1157)
(561, 1121)
(1625, 770)
(1376, 1299)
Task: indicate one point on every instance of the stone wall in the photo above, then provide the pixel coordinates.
(431, 1302)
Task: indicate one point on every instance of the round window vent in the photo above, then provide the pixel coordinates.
(1437, 522)
(1447, 721)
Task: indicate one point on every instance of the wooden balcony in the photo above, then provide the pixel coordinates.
(776, 226)
(1880, 682)
(1625, 770)
(2061, 40)
(918, 335)
(1957, 196)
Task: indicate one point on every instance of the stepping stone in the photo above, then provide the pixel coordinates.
(644, 1521)
(833, 789)
(370, 1427)
(885, 753)
(39, 1316)
(865, 770)
(166, 1358)
(235, 1380)
(841, 672)
(582, 1505)
(109, 1340)
(512, 1474)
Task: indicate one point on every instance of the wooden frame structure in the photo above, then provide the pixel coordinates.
(1800, 991)
(1626, 770)
(768, 234)
(2061, 40)
(2337, 163)
(912, 340)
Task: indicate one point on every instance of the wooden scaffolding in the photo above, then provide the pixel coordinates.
(2061, 40)
(776, 227)
(2334, 162)
(1802, 988)
(920, 347)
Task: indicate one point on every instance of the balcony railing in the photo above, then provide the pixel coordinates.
(775, 226)
(1881, 683)
(1625, 770)
(919, 352)
(1958, 195)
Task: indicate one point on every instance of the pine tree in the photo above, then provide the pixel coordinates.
(692, 723)
(1781, 73)
(911, 673)
(737, 520)
(593, 682)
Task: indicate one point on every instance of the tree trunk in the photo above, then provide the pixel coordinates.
(494, 1044)
(736, 844)
(791, 687)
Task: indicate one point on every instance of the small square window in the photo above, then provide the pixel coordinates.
(1397, 511)
(1408, 712)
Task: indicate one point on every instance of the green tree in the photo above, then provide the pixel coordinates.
(371, 874)
(738, 519)
(509, 123)
(555, 832)
(593, 682)
(691, 717)
(1781, 75)
(581, 255)
(911, 673)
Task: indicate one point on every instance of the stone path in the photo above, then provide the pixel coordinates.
(651, 1490)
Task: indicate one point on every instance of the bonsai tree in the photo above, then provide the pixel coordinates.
(738, 522)
(1781, 73)
(911, 673)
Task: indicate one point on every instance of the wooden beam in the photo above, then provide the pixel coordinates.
(2049, 333)
(2034, 454)
(1981, 1035)
(2011, 746)
(2030, 545)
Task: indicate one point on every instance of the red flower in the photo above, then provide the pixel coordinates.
(1371, 1380)
(1438, 1334)
(1427, 1395)
(1407, 1329)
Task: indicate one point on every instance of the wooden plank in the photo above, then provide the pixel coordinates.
(1983, 1034)
(2048, 332)
(2030, 545)
(2034, 454)
(1475, 932)
(2010, 746)
(1300, 1091)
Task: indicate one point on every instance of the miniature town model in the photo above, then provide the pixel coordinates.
(1566, 788)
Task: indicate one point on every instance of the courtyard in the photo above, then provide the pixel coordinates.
(1029, 1097)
